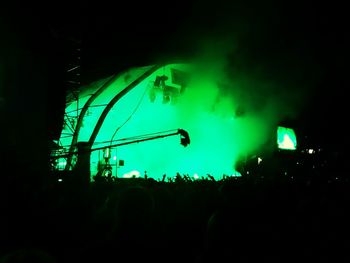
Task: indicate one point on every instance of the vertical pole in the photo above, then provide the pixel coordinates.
(82, 168)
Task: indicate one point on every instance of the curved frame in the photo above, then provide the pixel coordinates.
(82, 114)
(115, 99)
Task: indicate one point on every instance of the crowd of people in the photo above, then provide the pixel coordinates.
(237, 219)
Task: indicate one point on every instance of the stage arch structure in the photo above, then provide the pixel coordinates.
(130, 122)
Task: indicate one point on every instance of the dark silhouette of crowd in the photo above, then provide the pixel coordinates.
(237, 219)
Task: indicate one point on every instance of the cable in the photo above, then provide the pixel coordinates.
(136, 108)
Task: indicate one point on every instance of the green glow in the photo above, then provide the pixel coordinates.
(218, 136)
(98, 105)
(61, 163)
(286, 138)
(236, 174)
(132, 174)
(191, 112)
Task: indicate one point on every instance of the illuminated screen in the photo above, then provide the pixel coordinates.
(286, 138)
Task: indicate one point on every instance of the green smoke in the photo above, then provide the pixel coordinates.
(224, 117)
(231, 107)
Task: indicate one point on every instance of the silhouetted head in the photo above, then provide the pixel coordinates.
(28, 256)
(134, 208)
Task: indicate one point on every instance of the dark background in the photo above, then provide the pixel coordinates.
(300, 41)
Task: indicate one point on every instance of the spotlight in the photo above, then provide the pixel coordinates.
(166, 98)
(107, 153)
(158, 87)
(160, 81)
(185, 138)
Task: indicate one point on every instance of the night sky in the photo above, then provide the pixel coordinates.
(300, 43)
